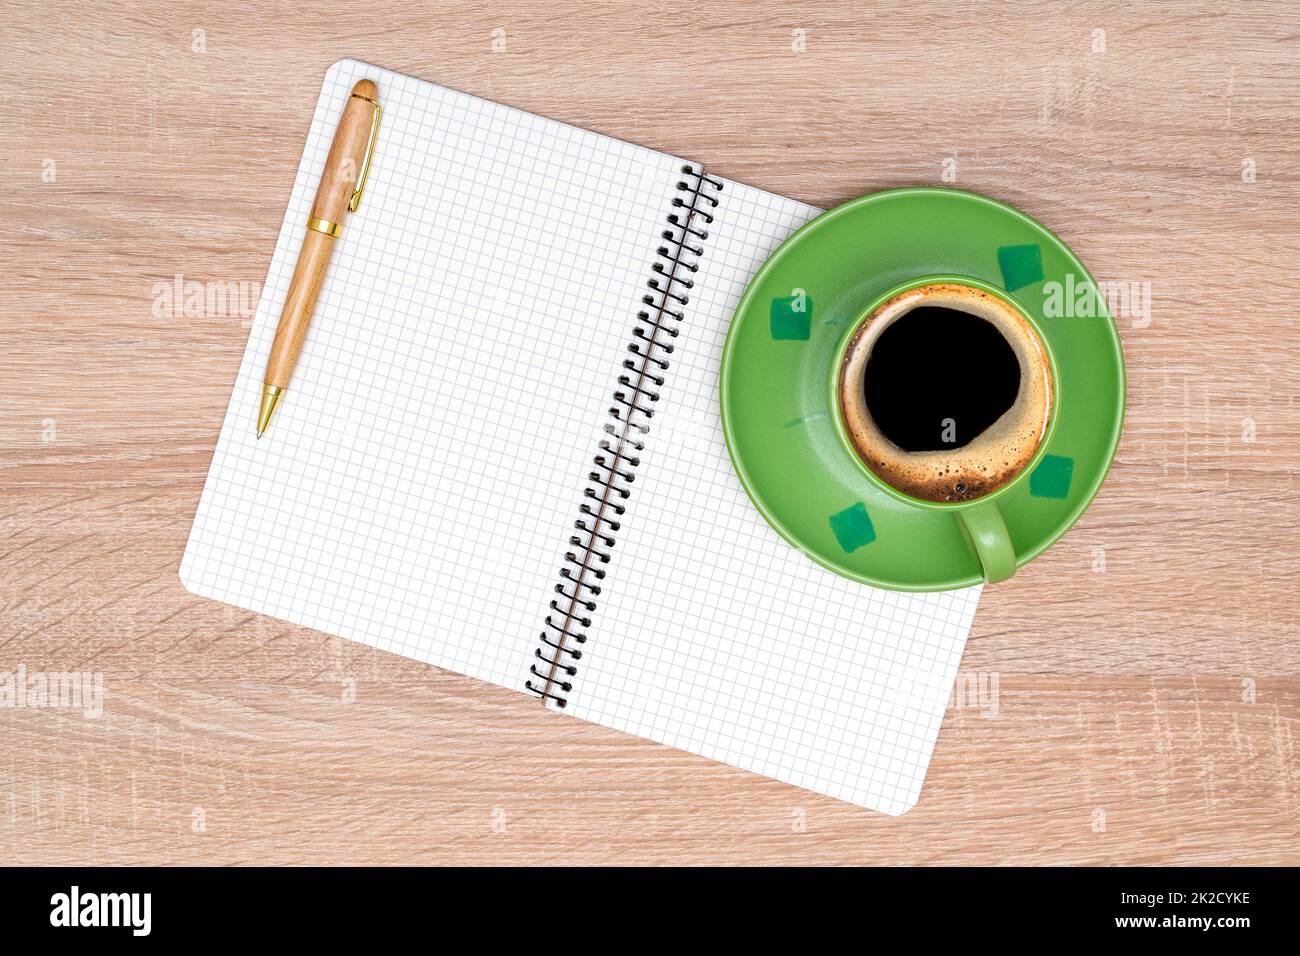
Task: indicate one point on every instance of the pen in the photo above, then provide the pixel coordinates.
(341, 184)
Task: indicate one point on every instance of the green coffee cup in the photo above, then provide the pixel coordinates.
(954, 343)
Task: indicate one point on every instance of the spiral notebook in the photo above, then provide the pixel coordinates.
(501, 454)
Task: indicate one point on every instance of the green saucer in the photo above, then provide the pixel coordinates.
(776, 409)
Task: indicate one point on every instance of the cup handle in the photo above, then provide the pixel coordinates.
(988, 535)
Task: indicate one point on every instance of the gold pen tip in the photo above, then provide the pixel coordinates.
(270, 399)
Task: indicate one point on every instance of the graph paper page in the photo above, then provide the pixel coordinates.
(421, 476)
(717, 637)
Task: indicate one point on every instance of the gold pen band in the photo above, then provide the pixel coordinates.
(324, 225)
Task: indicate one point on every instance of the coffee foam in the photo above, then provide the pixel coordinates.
(993, 457)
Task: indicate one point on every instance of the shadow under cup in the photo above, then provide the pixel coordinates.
(944, 392)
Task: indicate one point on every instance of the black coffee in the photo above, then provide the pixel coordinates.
(937, 377)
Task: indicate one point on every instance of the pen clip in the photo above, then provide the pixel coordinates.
(355, 201)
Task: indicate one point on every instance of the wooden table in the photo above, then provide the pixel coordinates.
(1148, 666)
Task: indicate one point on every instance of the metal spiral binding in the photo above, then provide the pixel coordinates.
(555, 663)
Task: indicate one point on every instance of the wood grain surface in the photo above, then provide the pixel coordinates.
(1147, 668)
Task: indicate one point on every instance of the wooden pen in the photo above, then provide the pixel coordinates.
(341, 184)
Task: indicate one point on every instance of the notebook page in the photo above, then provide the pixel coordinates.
(418, 482)
(717, 637)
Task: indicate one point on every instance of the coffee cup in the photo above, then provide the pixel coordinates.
(944, 391)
